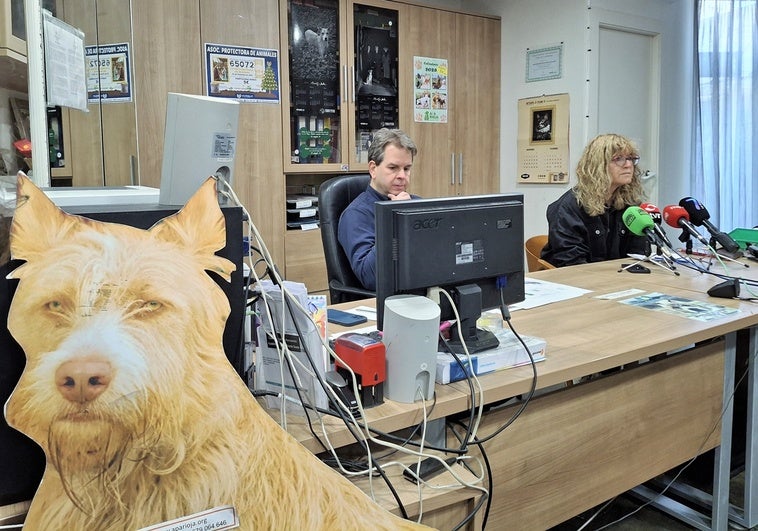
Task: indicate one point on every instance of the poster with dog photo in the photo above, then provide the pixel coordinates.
(430, 90)
(248, 75)
(108, 73)
(142, 418)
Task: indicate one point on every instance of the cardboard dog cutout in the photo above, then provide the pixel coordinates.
(129, 393)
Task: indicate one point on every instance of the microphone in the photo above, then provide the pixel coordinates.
(699, 217)
(677, 217)
(655, 213)
(640, 223)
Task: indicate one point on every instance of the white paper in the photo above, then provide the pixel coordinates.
(541, 292)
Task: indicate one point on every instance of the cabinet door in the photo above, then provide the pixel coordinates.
(342, 79)
(314, 86)
(103, 146)
(431, 33)
(476, 104)
(373, 98)
(168, 57)
(258, 176)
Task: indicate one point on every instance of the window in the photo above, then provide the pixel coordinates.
(725, 166)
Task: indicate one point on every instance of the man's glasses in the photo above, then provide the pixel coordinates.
(621, 161)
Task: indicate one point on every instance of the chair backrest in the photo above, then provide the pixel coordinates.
(534, 246)
(333, 197)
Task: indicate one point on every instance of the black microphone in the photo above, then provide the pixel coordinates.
(699, 217)
(677, 216)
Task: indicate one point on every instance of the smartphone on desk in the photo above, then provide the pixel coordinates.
(344, 318)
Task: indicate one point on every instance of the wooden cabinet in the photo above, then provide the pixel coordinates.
(460, 157)
(342, 75)
(13, 73)
(168, 47)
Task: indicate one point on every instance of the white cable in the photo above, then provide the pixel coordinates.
(366, 435)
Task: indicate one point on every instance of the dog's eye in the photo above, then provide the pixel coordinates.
(151, 306)
(55, 306)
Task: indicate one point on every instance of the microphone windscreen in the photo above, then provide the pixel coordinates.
(695, 209)
(672, 214)
(637, 220)
(653, 210)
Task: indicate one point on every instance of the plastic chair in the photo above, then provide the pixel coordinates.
(534, 246)
(333, 197)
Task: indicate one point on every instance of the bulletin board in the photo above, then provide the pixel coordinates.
(543, 139)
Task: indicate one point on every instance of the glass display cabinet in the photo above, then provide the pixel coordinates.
(342, 77)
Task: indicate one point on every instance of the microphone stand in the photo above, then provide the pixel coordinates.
(664, 262)
(723, 253)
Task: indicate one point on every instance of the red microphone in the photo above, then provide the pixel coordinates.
(677, 217)
(655, 213)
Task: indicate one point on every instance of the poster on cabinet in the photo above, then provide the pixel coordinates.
(543, 139)
(430, 90)
(108, 73)
(249, 75)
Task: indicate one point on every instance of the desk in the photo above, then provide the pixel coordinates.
(574, 448)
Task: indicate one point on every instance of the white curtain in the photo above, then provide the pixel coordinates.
(725, 178)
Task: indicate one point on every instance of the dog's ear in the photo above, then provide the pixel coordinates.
(37, 222)
(200, 227)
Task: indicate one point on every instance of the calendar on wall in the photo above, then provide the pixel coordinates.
(543, 139)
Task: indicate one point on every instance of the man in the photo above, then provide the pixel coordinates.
(390, 159)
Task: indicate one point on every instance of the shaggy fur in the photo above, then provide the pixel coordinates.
(129, 393)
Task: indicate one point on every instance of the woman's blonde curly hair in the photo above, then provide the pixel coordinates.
(594, 179)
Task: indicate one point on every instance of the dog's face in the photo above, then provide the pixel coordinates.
(119, 326)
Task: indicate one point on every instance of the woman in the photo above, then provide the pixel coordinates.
(585, 224)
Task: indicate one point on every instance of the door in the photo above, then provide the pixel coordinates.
(627, 91)
(430, 34)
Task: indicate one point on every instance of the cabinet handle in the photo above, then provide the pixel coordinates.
(344, 78)
(352, 82)
(452, 169)
(460, 168)
(132, 170)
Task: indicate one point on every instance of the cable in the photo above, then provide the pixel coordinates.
(490, 481)
(362, 435)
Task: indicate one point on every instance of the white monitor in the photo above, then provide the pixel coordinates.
(200, 141)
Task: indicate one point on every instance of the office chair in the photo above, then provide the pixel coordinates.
(333, 197)
(534, 246)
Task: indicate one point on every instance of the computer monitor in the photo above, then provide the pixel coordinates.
(470, 246)
(200, 141)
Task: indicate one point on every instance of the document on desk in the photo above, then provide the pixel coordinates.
(542, 292)
(691, 309)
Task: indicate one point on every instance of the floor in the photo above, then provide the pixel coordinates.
(618, 515)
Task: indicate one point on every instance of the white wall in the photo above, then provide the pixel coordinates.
(536, 23)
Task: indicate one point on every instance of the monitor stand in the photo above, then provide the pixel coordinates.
(481, 340)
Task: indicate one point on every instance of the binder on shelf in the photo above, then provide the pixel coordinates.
(302, 201)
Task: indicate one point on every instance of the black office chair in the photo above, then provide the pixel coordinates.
(333, 197)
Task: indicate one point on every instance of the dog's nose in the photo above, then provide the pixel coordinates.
(82, 381)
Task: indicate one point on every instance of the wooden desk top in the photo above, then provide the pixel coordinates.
(584, 335)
